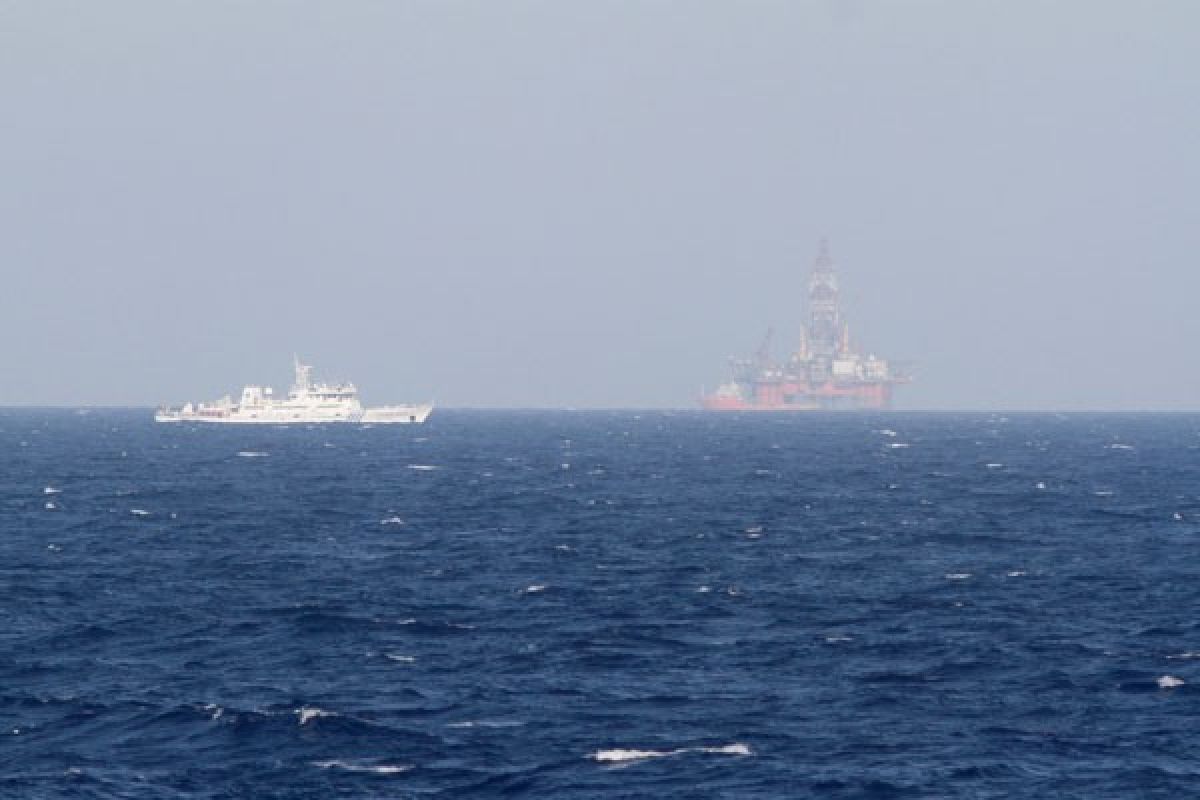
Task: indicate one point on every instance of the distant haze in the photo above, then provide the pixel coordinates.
(594, 204)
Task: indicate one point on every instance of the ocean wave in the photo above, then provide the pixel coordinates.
(307, 714)
(485, 723)
(289, 638)
(624, 756)
(357, 766)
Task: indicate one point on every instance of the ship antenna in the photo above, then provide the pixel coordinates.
(302, 371)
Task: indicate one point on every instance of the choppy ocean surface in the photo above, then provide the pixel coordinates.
(601, 604)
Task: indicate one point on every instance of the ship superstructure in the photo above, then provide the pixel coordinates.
(826, 371)
(307, 401)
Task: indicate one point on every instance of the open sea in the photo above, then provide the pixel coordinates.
(601, 605)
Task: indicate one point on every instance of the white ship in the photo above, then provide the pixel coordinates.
(306, 402)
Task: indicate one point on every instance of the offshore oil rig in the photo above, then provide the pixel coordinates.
(825, 372)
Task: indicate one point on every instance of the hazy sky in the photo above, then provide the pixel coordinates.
(596, 203)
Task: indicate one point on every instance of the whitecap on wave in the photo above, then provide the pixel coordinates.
(307, 714)
(1169, 682)
(624, 756)
(376, 769)
(422, 467)
(252, 454)
(51, 490)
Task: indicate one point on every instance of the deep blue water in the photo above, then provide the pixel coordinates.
(510, 604)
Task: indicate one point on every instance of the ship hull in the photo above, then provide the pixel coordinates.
(397, 415)
(388, 415)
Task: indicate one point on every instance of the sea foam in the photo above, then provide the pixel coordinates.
(307, 714)
(623, 756)
(375, 769)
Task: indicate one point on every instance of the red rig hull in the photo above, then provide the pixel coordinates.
(788, 396)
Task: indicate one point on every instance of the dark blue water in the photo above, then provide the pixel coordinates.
(601, 605)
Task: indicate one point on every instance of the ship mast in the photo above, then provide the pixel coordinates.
(302, 374)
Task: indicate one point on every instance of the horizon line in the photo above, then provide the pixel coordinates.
(672, 409)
